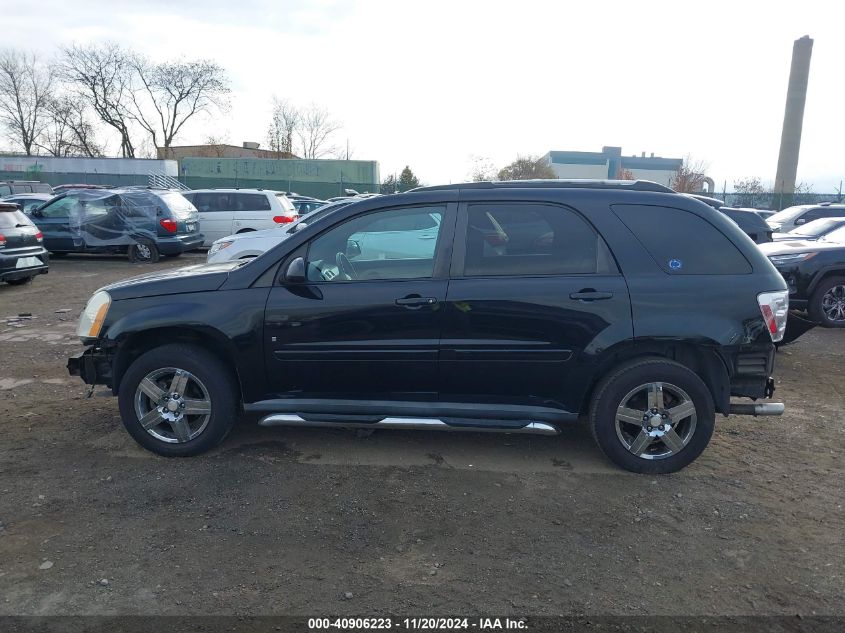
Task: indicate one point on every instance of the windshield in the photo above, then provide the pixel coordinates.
(837, 236)
(786, 215)
(815, 228)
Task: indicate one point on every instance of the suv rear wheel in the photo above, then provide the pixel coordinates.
(178, 400)
(827, 305)
(652, 416)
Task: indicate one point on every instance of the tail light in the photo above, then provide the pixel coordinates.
(285, 219)
(774, 306)
(39, 236)
(168, 225)
(2, 240)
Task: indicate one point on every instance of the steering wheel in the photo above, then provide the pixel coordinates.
(345, 266)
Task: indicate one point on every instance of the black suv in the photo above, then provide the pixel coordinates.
(514, 307)
(814, 271)
(142, 223)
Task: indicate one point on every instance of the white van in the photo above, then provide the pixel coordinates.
(225, 212)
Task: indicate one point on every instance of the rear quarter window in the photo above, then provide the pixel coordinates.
(682, 243)
(251, 202)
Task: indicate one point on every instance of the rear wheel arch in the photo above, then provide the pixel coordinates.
(704, 360)
(136, 344)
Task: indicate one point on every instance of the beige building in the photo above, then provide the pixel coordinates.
(219, 150)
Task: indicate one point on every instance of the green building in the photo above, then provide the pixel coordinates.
(318, 178)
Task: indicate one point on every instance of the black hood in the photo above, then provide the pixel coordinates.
(197, 278)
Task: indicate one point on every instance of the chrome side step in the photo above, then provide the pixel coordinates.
(763, 408)
(419, 424)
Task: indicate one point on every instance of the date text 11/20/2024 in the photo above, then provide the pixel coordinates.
(419, 624)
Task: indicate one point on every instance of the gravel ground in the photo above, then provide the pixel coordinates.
(320, 521)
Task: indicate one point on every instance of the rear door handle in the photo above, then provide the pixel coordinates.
(414, 302)
(590, 295)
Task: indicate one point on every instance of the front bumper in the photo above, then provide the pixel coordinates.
(93, 365)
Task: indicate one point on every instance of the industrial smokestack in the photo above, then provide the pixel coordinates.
(793, 118)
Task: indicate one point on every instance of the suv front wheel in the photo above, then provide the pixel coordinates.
(652, 416)
(178, 400)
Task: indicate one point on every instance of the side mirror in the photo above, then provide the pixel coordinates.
(353, 248)
(36, 213)
(299, 226)
(295, 273)
(800, 221)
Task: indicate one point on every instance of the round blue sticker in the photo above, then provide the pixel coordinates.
(676, 264)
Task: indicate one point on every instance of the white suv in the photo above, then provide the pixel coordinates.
(225, 212)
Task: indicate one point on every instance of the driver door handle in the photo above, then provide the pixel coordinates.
(588, 294)
(414, 302)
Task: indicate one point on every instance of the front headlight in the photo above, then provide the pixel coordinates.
(792, 258)
(92, 317)
(219, 246)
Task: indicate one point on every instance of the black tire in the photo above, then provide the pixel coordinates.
(612, 390)
(218, 380)
(815, 307)
(143, 252)
(21, 281)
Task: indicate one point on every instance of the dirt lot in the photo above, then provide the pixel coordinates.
(294, 521)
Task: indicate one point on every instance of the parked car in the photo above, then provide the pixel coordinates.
(22, 253)
(254, 243)
(751, 223)
(304, 206)
(536, 302)
(814, 230)
(67, 187)
(28, 201)
(793, 217)
(747, 219)
(141, 223)
(814, 271)
(225, 212)
(8, 187)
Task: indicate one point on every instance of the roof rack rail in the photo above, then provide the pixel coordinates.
(635, 185)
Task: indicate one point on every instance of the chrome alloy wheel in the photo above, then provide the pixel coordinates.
(143, 251)
(833, 303)
(172, 405)
(655, 420)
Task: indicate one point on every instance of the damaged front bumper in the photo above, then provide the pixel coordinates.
(94, 366)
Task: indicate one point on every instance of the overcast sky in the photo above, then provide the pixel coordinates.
(432, 83)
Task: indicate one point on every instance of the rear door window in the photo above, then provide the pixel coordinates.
(682, 243)
(530, 239)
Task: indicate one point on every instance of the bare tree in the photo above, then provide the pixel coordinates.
(171, 93)
(526, 168)
(103, 75)
(25, 87)
(283, 127)
(315, 131)
(690, 177)
(215, 145)
(68, 131)
(482, 169)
